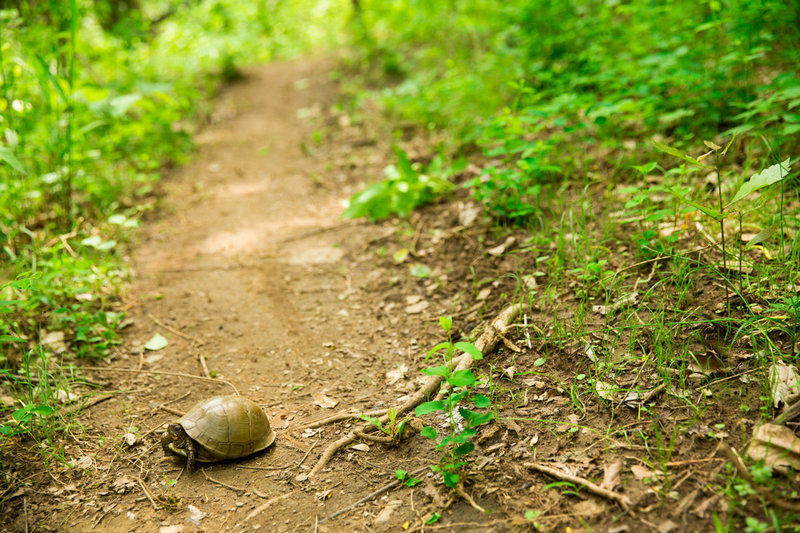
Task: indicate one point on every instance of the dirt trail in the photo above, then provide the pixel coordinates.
(247, 266)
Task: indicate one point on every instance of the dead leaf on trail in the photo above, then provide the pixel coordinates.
(129, 438)
(66, 396)
(195, 514)
(777, 445)
(361, 447)
(513, 426)
(324, 401)
(605, 390)
(588, 508)
(468, 213)
(784, 383)
(393, 376)
(123, 485)
(630, 299)
(611, 473)
(500, 249)
(484, 293)
(417, 308)
(667, 526)
(642, 472)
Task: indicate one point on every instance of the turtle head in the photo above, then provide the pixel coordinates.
(177, 435)
(174, 437)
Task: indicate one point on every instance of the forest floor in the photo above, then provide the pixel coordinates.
(247, 269)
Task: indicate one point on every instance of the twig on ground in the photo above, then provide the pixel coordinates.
(218, 482)
(337, 417)
(171, 410)
(621, 499)
(264, 506)
(159, 373)
(171, 329)
(485, 343)
(87, 404)
(147, 493)
(374, 494)
(741, 468)
(203, 365)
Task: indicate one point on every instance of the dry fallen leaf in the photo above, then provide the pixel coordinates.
(417, 307)
(393, 376)
(324, 401)
(784, 383)
(604, 390)
(361, 447)
(498, 250)
(611, 473)
(777, 445)
(642, 472)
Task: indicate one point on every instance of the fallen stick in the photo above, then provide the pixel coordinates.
(161, 373)
(337, 417)
(374, 494)
(485, 343)
(621, 499)
(264, 506)
(218, 482)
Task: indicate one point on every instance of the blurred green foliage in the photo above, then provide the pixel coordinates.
(543, 85)
(97, 97)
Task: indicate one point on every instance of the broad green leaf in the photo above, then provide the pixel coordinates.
(465, 435)
(440, 346)
(157, 342)
(451, 480)
(428, 432)
(413, 481)
(463, 449)
(437, 371)
(428, 407)
(540, 361)
(471, 349)
(475, 419)
(764, 178)
(446, 322)
(481, 401)
(8, 156)
(400, 474)
(677, 153)
(462, 378)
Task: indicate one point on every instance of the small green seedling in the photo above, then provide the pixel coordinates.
(461, 385)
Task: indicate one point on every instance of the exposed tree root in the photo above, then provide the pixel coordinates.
(621, 499)
(485, 343)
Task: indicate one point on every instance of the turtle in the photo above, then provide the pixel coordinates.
(218, 428)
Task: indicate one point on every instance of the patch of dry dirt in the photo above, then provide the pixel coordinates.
(249, 269)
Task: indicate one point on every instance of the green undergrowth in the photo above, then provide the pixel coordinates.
(96, 102)
(645, 155)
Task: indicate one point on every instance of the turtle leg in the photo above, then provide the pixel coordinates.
(191, 453)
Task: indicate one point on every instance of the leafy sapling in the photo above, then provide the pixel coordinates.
(461, 383)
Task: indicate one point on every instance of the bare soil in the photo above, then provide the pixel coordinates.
(248, 269)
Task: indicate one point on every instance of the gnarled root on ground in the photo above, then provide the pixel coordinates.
(485, 343)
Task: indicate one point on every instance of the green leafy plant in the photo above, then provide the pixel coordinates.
(394, 428)
(405, 188)
(461, 383)
(404, 478)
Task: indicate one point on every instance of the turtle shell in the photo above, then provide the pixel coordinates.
(226, 427)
